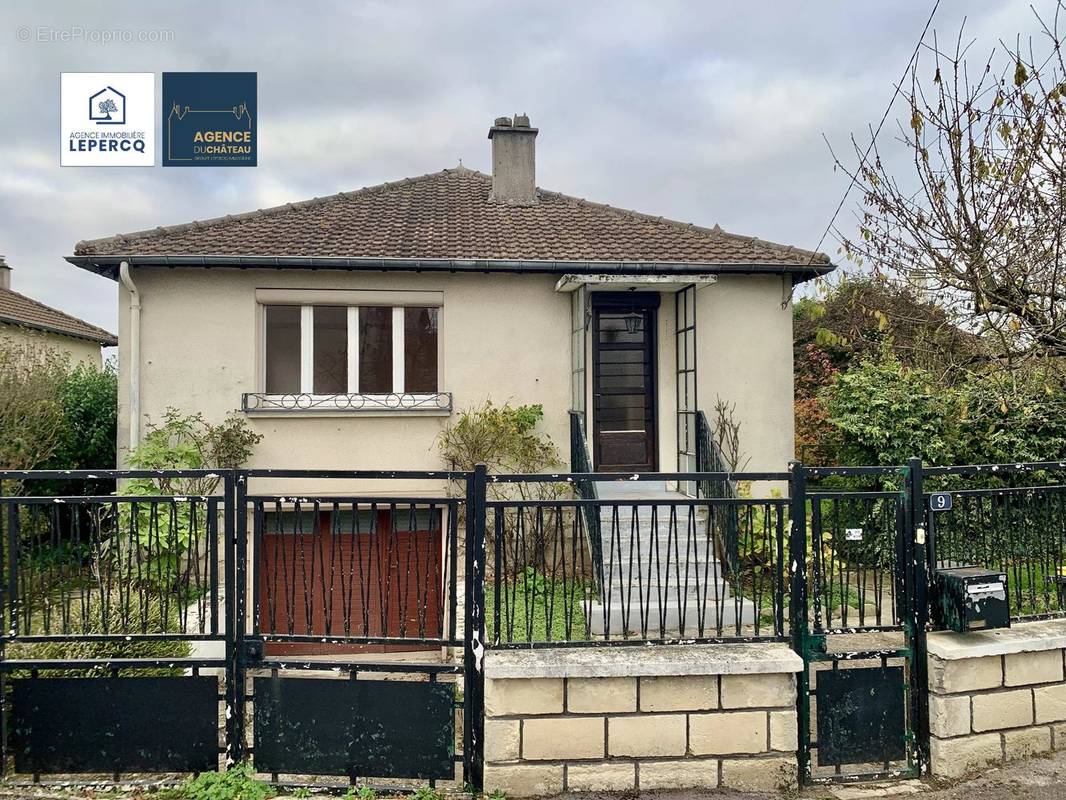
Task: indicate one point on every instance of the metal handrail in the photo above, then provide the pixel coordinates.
(581, 462)
(710, 458)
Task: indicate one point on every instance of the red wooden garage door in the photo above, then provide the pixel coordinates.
(351, 573)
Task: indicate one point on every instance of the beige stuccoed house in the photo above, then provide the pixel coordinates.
(350, 329)
(25, 321)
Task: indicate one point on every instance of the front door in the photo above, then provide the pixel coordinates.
(623, 381)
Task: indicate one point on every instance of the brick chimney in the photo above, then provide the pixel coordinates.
(5, 274)
(514, 174)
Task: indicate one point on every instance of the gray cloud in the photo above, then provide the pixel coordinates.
(706, 112)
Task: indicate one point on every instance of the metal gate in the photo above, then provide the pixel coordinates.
(333, 580)
(859, 590)
(326, 632)
(114, 658)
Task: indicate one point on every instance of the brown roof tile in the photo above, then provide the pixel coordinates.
(17, 309)
(448, 215)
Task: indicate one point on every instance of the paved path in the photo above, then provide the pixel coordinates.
(1038, 778)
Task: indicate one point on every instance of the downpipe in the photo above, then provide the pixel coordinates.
(134, 355)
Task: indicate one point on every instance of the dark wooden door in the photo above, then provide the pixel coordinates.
(623, 385)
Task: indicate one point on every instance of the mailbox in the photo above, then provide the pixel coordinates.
(970, 599)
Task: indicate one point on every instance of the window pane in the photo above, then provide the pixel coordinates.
(420, 350)
(282, 346)
(331, 350)
(375, 349)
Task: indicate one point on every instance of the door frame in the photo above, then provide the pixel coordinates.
(647, 302)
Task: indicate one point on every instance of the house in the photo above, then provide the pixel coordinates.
(26, 321)
(351, 329)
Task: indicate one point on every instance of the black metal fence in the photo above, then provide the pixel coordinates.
(637, 561)
(115, 657)
(191, 604)
(1010, 518)
(856, 521)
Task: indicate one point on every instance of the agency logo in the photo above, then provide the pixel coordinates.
(209, 119)
(108, 107)
(119, 128)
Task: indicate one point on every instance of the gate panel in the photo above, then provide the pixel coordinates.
(375, 728)
(339, 586)
(113, 725)
(859, 701)
(860, 716)
(115, 656)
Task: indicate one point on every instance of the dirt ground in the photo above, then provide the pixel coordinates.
(1043, 778)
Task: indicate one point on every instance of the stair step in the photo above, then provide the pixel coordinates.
(644, 516)
(667, 618)
(651, 592)
(643, 564)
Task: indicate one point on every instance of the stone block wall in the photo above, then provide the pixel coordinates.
(629, 718)
(996, 696)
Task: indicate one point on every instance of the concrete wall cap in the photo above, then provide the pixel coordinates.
(636, 661)
(1023, 637)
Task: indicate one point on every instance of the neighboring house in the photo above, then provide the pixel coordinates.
(25, 320)
(351, 329)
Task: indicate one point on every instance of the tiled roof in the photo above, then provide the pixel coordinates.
(17, 309)
(448, 215)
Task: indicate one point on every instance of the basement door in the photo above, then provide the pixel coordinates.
(623, 381)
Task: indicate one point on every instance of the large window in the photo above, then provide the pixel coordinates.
(353, 350)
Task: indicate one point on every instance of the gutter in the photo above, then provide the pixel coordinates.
(106, 265)
(135, 354)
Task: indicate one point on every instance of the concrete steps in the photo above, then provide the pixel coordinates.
(660, 574)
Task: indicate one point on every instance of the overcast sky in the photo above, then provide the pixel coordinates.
(703, 112)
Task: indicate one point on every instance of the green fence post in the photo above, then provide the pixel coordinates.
(797, 609)
(919, 606)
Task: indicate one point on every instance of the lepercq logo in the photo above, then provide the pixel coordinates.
(108, 107)
(107, 119)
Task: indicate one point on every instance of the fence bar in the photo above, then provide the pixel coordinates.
(637, 477)
(234, 728)
(474, 630)
(237, 602)
(920, 609)
(797, 610)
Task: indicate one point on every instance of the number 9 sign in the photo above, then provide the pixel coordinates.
(940, 501)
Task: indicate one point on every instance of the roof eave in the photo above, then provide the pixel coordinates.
(107, 265)
(100, 340)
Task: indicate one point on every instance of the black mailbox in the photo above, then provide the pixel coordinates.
(970, 599)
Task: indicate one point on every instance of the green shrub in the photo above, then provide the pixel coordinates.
(236, 783)
(182, 441)
(89, 397)
(886, 413)
(883, 412)
(31, 412)
(505, 438)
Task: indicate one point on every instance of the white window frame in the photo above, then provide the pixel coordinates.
(307, 400)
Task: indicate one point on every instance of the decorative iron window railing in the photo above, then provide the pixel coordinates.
(435, 401)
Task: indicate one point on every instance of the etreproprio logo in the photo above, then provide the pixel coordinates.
(118, 130)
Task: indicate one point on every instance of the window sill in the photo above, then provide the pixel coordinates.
(435, 404)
